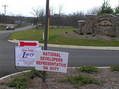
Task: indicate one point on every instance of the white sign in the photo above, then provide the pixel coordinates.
(52, 61)
(26, 56)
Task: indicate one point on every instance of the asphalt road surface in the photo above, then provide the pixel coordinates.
(7, 52)
(77, 57)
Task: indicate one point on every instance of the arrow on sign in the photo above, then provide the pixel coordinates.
(28, 43)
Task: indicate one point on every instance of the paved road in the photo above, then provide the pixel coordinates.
(77, 57)
(7, 52)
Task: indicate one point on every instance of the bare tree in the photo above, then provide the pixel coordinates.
(60, 9)
(39, 16)
(52, 11)
(60, 17)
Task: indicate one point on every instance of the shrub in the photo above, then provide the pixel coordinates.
(117, 10)
(114, 67)
(81, 33)
(18, 82)
(35, 73)
(88, 69)
(89, 33)
(81, 80)
(75, 31)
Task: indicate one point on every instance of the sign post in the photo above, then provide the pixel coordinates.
(46, 25)
(46, 33)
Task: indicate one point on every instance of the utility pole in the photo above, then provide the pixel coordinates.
(46, 25)
(46, 33)
(5, 11)
(5, 8)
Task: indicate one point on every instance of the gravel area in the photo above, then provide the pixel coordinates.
(110, 80)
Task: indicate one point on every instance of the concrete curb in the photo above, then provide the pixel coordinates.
(105, 67)
(14, 74)
(75, 47)
(30, 70)
(83, 47)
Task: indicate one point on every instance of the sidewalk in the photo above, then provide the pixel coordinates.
(75, 47)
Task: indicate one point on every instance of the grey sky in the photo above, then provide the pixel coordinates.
(24, 7)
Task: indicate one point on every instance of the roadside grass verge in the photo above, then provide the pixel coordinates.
(60, 36)
(28, 35)
(2, 28)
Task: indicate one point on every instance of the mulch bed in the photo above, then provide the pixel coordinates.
(110, 80)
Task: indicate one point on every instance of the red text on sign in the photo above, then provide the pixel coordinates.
(51, 64)
(51, 59)
(45, 67)
(51, 54)
(54, 68)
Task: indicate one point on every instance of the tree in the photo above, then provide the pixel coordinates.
(60, 16)
(39, 16)
(75, 17)
(105, 8)
(117, 10)
(93, 11)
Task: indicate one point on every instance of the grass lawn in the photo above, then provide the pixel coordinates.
(60, 36)
(2, 28)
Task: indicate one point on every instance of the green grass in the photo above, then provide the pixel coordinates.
(80, 80)
(88, 69)
(18, 82)
(35, 73)
(58, 36)
(114, 67)
(27, 35)
(2, 28)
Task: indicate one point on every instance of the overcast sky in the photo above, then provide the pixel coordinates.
(24, 7)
